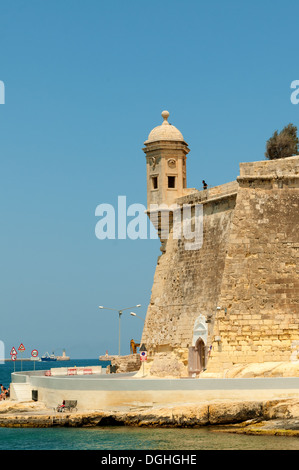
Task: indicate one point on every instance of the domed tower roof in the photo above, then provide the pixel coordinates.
(165, 131)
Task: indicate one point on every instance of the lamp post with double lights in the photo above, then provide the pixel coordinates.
(119, 317)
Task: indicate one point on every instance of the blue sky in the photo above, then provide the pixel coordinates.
(85, 82)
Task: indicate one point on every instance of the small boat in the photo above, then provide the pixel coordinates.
(48, 357)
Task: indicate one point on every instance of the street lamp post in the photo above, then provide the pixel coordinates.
(119, 317)
(135, 315)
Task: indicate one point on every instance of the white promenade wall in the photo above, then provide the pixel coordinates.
(103, 392)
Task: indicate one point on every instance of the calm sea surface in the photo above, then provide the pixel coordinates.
(122, 437)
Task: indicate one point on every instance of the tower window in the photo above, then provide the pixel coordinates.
(154, 182)
(171, 182)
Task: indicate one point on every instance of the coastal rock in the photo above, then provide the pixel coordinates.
(173, 416)
(234, 412)
(259, 417)
(130, 363)
(275, 427)
(10, 406)
(281, 409)
(254, 370)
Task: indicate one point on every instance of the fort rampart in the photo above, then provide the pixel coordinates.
(239, 293)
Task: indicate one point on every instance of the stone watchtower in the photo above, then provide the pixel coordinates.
(166, 152)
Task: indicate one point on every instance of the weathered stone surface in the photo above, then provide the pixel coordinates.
(10, 406)
(175, 416)
(234, 412)
(130, 363)
(248, 265)
(167, 365)
(274, 416)
(187, 283)
(260, 283)
(281, 409)
(275, 427)
(254, 370)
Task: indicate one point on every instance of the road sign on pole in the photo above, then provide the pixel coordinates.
(34, 354)
(14, 358)
(21, 349)
(13, 351)
(143, 358)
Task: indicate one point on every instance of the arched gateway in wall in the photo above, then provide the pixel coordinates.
(197, 352)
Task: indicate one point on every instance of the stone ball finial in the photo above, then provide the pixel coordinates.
(165, 115)
(165, 132)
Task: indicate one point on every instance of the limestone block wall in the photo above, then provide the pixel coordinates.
(130, 363)
(260, 284)
(187, 283)
(248, 265)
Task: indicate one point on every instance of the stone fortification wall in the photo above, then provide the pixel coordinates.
(187, 283)
(248, 265)
(210, 194)
(122, 364)
(260, 286)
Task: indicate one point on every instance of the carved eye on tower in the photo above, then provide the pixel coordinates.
(171, 163)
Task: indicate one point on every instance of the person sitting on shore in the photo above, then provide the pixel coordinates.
(4, 393)
(61, 407)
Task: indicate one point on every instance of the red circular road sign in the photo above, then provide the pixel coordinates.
(34, 353)
(13, 357)
(143, 355)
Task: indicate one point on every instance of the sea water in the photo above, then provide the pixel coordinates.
(126, 437)
(135, 438)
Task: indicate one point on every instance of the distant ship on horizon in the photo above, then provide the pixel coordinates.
(51, 357)
(48, 357)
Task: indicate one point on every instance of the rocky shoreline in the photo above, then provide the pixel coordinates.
(275, 417)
